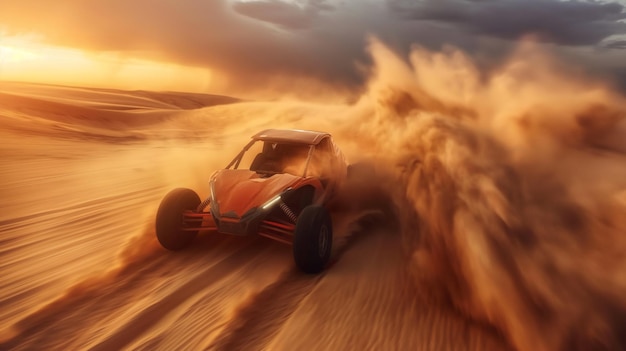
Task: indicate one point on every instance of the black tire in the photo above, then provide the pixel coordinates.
(169, 219)
(313, 239)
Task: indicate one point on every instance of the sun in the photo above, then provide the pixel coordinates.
(10, 54)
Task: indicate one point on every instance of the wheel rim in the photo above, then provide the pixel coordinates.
(323, 241)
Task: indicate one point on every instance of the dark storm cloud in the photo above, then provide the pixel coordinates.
(287, 15)
(560, 22)
(252, 43)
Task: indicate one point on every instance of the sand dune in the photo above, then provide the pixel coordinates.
(103, 114)
(117, 99)
(82, 173)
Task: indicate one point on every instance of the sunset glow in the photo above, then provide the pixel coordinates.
(26, 59)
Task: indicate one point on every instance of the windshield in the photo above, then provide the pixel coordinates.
(265, 157)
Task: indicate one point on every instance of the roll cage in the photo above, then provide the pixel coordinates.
(278, 152)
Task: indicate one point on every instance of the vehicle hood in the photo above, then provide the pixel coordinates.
(238, 191)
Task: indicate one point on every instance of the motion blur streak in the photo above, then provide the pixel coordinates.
(509, 187)
(513, 191)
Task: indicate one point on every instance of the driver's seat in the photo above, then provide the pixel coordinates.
(265, 162)
(257, 162)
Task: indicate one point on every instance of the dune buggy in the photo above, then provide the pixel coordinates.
(278, 187)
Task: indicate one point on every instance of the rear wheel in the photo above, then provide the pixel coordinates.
(169, 219)
(313, 239)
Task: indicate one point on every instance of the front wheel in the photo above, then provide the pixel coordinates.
(313, 239)
(169, 219)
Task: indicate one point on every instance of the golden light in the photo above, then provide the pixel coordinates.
(27, 59)
(12, 54)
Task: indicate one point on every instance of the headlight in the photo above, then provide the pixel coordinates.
(212, 184)
(215, 209)
(273, 201)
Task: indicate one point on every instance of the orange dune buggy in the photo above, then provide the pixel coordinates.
(290, 177)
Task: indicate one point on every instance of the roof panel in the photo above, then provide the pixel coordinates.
(296, 136)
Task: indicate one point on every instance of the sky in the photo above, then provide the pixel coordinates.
(237, 45)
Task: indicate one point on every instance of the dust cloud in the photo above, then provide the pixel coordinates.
(512, 191)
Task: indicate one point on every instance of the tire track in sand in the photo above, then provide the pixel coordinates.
(156, 312)
(93, 300)
(39, 327)
(260, 319)
(254, 325)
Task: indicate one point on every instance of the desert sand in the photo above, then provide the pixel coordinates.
(494, 219)
(82, 172)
